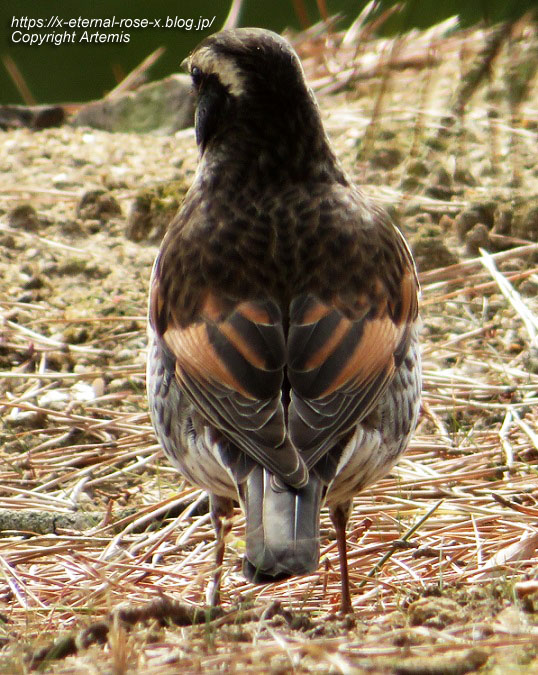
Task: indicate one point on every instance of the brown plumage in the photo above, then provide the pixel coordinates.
(283, 368)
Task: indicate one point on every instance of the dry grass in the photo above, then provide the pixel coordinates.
(92, 518)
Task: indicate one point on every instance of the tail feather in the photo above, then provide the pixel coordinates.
(282, 528)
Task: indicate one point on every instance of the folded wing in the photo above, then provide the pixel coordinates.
(341, 356)
(230, 363)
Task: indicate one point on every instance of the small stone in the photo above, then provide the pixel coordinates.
(386, 134)
(430, 250)
(435, 143)
(8, 241)
(94, 271)
(526, 227)
(118, 384)
(524, 588)
(54, 400)
(35, 282)
(434, 612)
(72, 267)
(152, 210)
(23, 217)
(97, 205)
(446, 223)
(27, 419)
(139, 222)
(99, 387)
(72, 228)
(93, 226)
(439, 192)
(478, 213)
(386, 158)
(61, 181)
(83, 392)
(25, 297)
(529, 287)
(502, 220)
(409, 183)
(477, 238)
(124, 355)
(465, 176)
(441, 186)
(417, 168)
(75, 335)
(442, 178)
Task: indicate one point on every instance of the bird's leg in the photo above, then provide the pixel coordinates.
(221, 509)
(339, 516)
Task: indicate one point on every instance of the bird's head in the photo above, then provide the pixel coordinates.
(250, 87)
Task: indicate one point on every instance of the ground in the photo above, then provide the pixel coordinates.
(105, 552)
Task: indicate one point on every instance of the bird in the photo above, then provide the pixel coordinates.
(283, 369)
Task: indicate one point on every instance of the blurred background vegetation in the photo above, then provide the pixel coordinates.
(81, 72)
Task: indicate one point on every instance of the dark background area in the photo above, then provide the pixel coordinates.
(80, 72)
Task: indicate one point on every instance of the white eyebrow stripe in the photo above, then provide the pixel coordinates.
(223, 67)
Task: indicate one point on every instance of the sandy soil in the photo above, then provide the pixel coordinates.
(87, 504)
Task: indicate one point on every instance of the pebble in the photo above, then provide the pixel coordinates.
(54, 400)
(23, 217)
(97, 205)
(477, 238)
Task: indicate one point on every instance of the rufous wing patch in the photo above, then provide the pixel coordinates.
(230, 363)
(342, 355)
(196, 356)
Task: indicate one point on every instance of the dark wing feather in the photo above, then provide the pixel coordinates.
(230, 363)
(341, 356)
